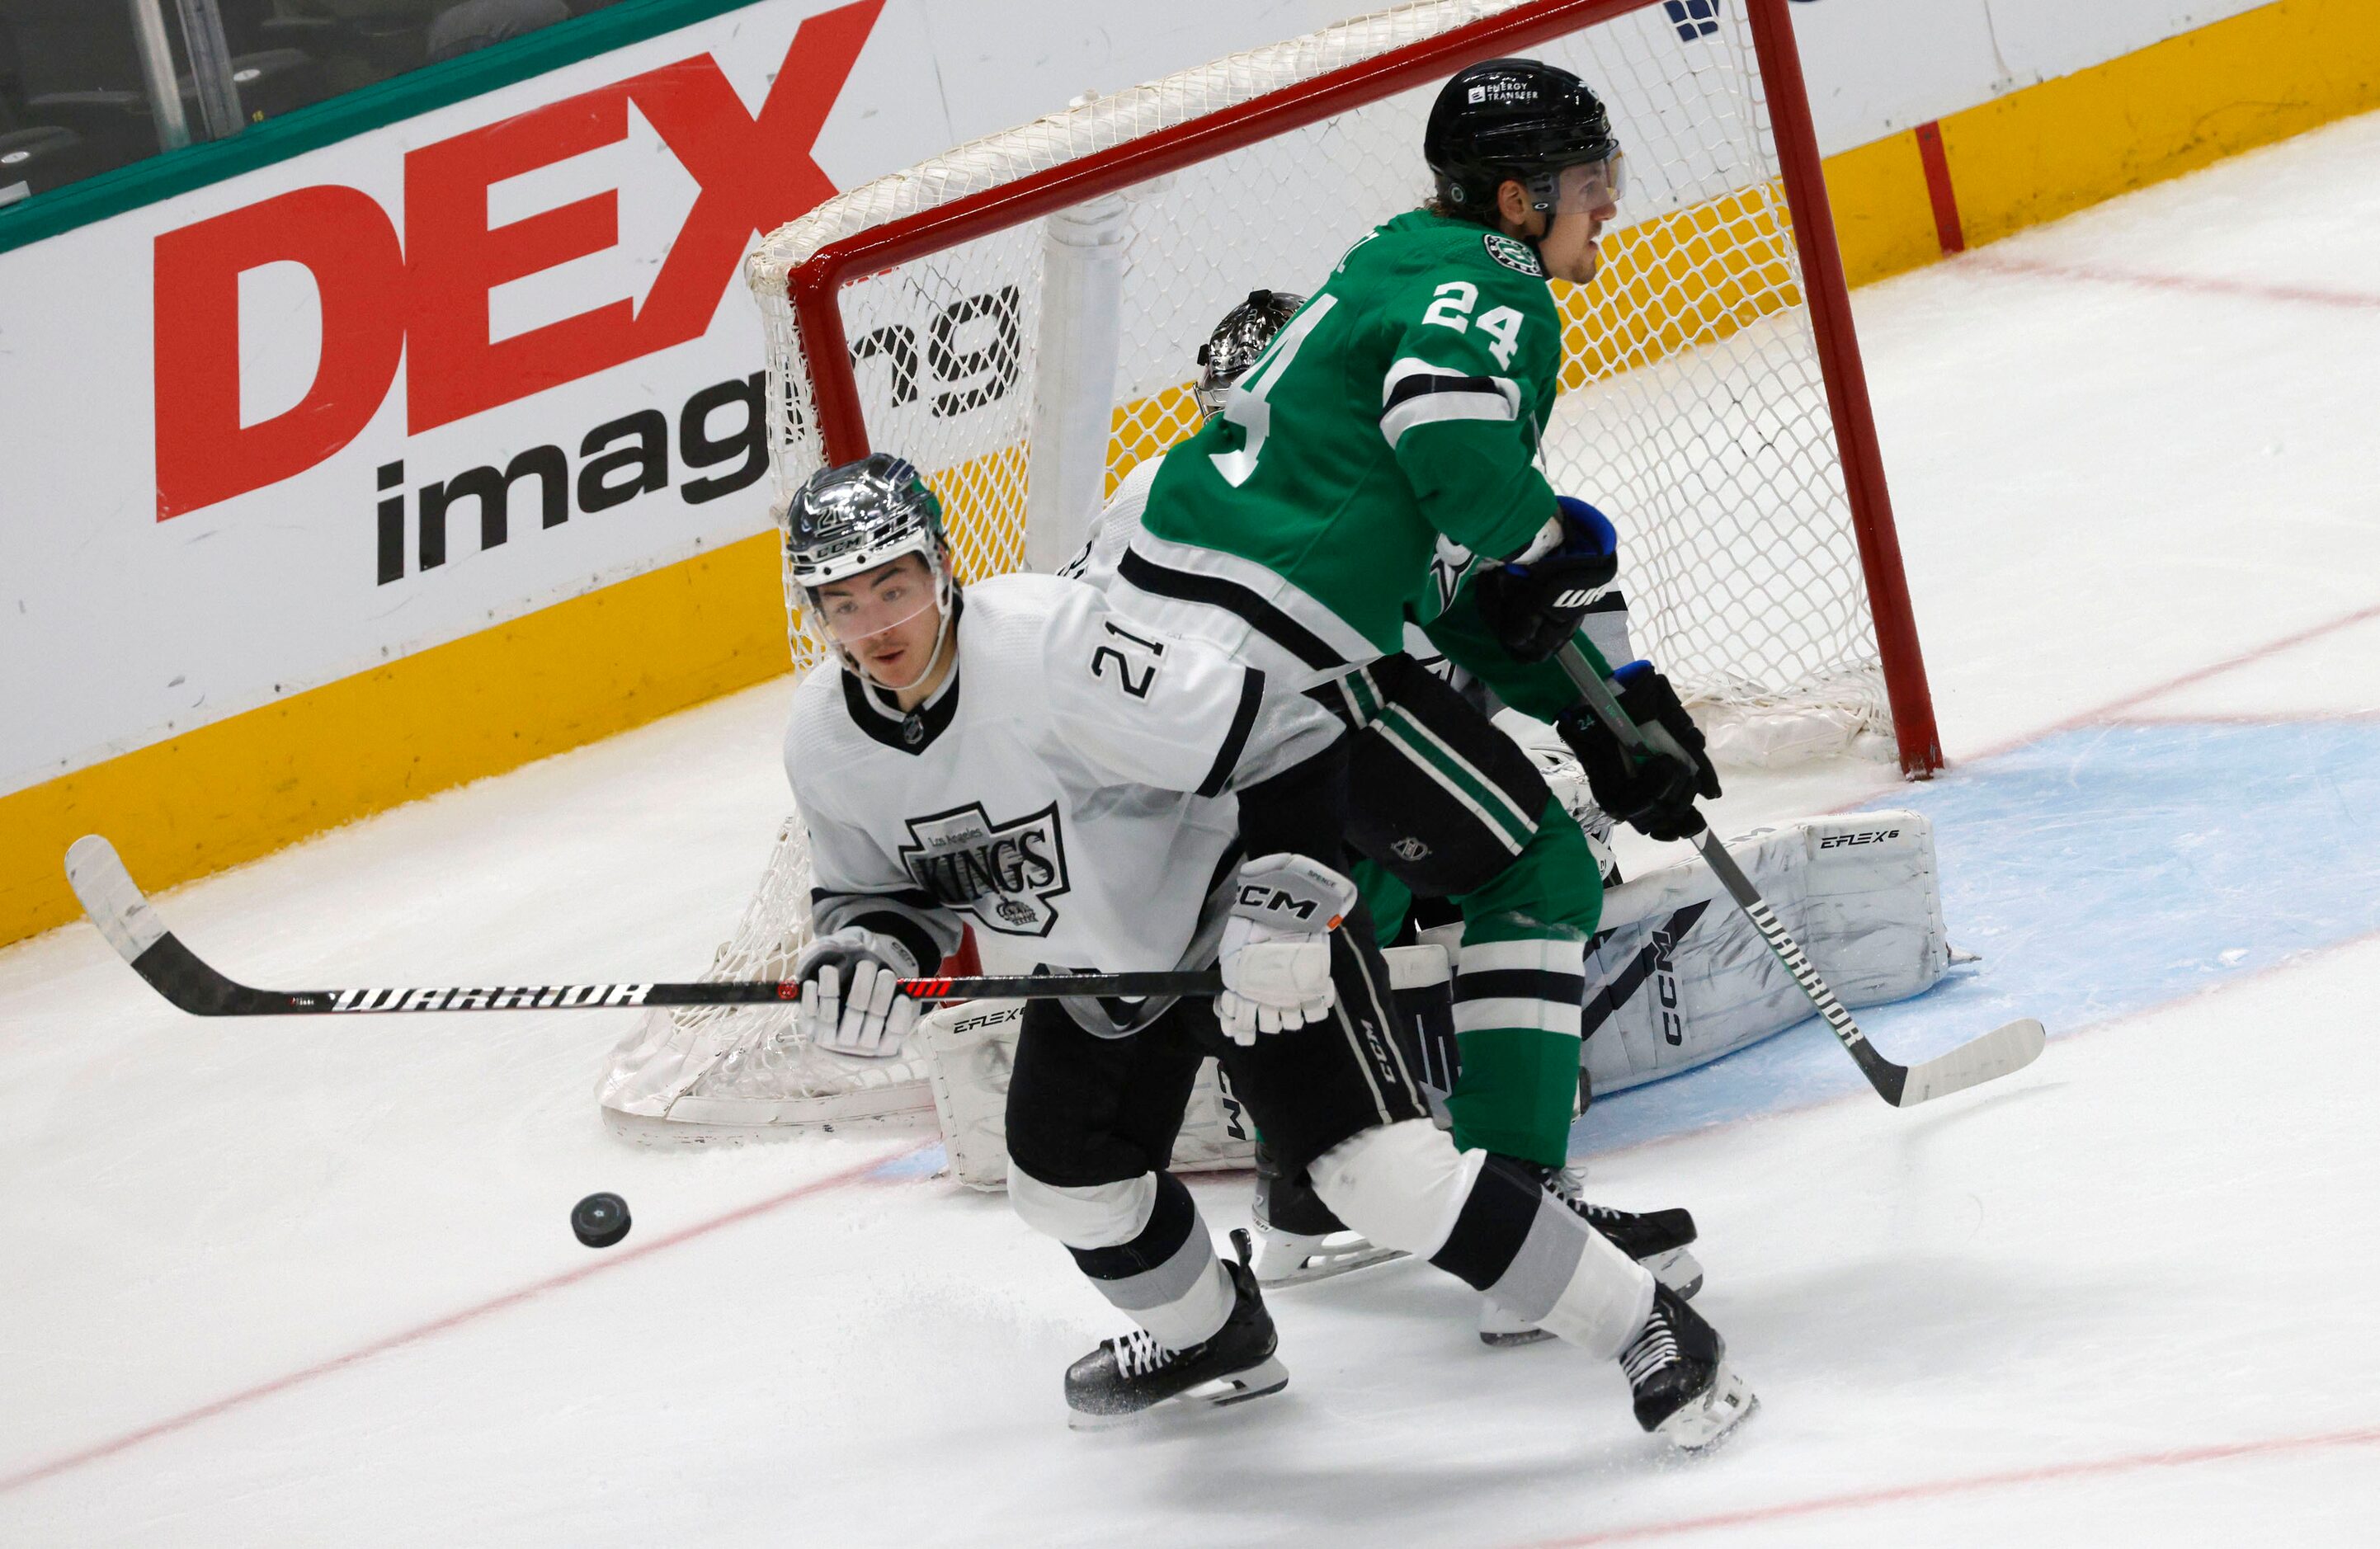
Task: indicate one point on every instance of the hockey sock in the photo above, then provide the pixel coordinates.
(1533, 1257)
(1490, 1222)
(1517, 992)
(1165, 1277)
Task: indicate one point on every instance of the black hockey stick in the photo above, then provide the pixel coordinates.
(122, 912)
(1998, 1052)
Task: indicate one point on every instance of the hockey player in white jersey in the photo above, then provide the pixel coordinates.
(1097, 798)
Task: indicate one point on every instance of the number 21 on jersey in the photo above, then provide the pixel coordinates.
(1244, 403)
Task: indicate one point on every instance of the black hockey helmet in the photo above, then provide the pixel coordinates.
(1520, 119)
(1243, 334)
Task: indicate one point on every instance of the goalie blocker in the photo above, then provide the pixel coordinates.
(1677, 977)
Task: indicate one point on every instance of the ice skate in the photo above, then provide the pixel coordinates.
(1125, 1378)
(1657, 1240)
(1677, 1369)
(1298, 1237)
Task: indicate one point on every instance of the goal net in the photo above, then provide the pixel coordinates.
(1019, 316)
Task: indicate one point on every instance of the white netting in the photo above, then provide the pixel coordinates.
(727, 1071)
(1694, 410)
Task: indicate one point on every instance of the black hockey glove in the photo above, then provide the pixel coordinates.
(1534, 605)
(1650, 792)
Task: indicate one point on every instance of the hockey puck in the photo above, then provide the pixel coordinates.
(600, 1219)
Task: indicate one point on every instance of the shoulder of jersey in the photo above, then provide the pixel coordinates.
(1010, 621)
(820, 730)
(1020, 589)
(1465, 245)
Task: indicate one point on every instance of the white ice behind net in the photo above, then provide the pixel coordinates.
(1694, 409)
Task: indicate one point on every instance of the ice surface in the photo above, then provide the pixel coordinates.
(295, 1283)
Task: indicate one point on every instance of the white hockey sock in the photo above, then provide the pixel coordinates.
(1487, 1220)
(1143, 1245)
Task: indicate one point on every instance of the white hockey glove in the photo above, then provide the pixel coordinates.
(848, 1001)
(1277, 945)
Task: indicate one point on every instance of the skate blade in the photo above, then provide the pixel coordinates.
(1506, 1339)
(1712, 1415)
(1679, 1270)
(1266, 1377)
(1324, 1263)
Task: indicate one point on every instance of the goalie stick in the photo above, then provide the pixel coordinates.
(2005, 1048)
(124, 915)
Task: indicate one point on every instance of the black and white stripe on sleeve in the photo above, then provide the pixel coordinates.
(1416, 392)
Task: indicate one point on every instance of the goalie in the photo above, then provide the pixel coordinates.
(1096, 796)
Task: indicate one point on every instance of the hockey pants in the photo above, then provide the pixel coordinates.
(1442, 805)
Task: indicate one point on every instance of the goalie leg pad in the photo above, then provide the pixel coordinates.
(1681, 977)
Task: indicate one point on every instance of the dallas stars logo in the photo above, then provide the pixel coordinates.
(1003, 874)
(1513, 255)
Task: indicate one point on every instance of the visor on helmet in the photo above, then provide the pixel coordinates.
(1581, 188)
(861, 607)
(854, 617)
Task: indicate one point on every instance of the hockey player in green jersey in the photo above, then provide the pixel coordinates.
(1384, 443)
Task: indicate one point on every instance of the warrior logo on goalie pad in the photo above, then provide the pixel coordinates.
(1003, 874)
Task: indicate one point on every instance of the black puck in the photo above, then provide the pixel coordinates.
(600, 1219)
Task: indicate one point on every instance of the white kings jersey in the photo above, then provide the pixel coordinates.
(1069, 791)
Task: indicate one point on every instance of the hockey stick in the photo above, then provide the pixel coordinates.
(123, 915)
(2003, 1049)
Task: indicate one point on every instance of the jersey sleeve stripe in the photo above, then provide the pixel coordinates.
(1416, 384)
(1400, 382)
(1232, 598)
(1435, 404)
(1235, 741)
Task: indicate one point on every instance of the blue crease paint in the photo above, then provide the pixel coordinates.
(2099, 872)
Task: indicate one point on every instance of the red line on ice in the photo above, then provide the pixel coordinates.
(610, 1261)
(2046, 1473)
(2355, 301)
(2114, 708)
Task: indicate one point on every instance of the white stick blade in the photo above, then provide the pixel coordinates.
(111, 898)
(1994, 1055)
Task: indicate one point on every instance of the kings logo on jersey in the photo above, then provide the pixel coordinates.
(1003, 874)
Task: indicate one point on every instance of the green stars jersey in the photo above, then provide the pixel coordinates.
(1397, 415)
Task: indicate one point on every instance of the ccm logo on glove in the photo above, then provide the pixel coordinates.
(1258, 901)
